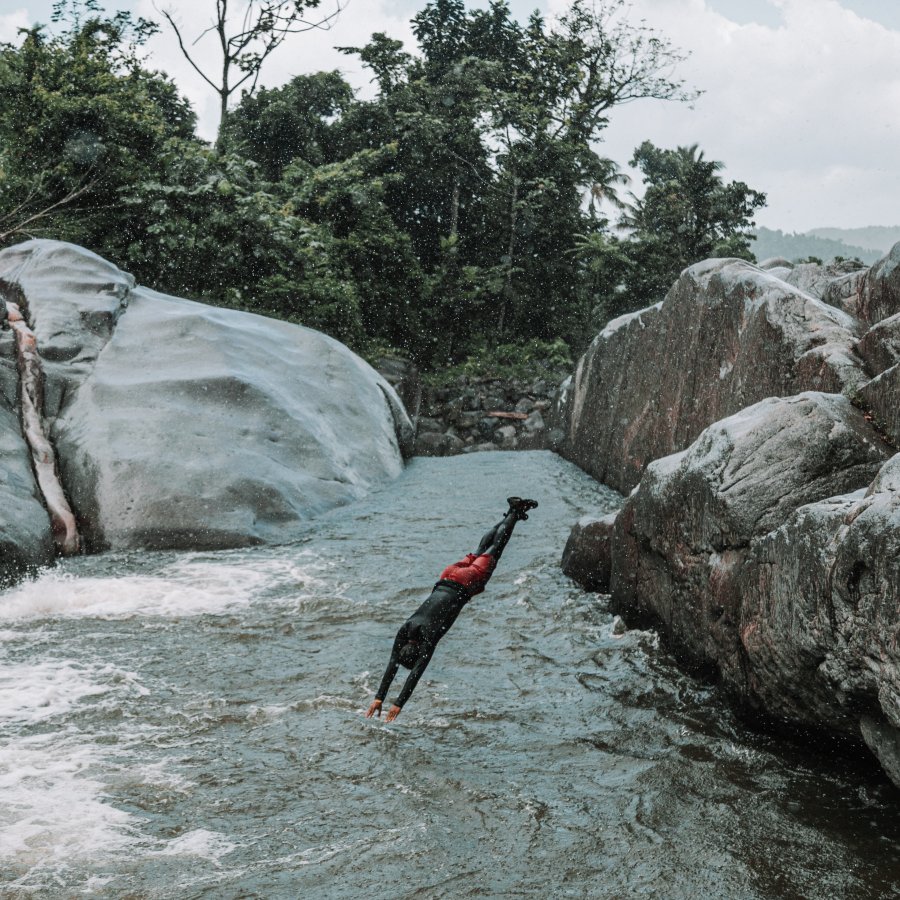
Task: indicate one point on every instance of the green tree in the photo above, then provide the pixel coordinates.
(495, 125)
(80, 119)
(687, 214)
(300, 120)
(347, 199)
(217, 231)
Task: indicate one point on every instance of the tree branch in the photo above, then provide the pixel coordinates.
(184, 51)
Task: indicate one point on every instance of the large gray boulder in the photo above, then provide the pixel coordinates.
(820, 611)
(587, 556)
(180, 425)
(727, 335)
(26, 540)
(837, 283)
(880, 345)
(760, 550)
(880, 294)
(73, 299)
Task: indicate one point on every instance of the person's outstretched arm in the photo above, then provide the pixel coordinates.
(389, 673)
(411, 681)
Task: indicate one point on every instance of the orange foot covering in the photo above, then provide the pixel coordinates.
(31, 375)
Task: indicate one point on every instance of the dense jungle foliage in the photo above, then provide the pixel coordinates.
(464, 207)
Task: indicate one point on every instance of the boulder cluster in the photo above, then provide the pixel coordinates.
(484, 414)
(174, 424)
(753, 420)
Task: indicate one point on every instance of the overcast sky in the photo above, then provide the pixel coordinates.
(800, 96)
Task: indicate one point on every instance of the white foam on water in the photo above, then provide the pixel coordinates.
(193, 585)
(52, 805)
(32, 692)
(210, 845)
(52, 809)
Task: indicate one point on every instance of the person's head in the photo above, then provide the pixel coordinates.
(409, 653)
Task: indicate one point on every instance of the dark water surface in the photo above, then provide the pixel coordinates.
(190, 725)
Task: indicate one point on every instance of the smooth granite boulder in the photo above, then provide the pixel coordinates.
(683, 535)
(26, 540)
(73, 299)
(181, 425)
(727, 335)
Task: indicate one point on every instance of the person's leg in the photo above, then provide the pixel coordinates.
(496, 539)
(499, 536)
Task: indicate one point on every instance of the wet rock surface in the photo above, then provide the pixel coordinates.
(180, 425)
(728, 335)
(26, 541)
(766, 548)
(587, 557)
(683, 535)
(880, 345)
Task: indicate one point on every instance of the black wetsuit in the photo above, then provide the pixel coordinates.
(432, 620)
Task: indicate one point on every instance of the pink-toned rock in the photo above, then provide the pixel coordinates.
(769, 558)
(820, 614)
(683, 535)
(727, 335)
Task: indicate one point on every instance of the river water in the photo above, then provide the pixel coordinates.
(191, 725)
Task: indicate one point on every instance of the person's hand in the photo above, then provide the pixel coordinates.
(393, 712)
(375, 710)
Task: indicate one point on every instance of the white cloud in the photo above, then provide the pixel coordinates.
(802, 110)
(11, 22)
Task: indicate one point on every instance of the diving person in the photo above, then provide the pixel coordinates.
(418, 637)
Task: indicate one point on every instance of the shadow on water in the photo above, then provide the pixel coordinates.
(191, 726)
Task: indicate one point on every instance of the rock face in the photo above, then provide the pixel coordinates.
(587, 557)
(682, 536)
(727, 335)
(880, 345)
(882, 397)
(880, 295)
(180, 425)
(26, 541)
(820, 611)
(767, 548)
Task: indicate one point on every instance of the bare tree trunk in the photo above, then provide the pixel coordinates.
(454, 209)
(510, 248)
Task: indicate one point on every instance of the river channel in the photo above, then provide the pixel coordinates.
(191, 726)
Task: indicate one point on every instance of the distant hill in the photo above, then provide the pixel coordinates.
(769, 243)
(878, 237)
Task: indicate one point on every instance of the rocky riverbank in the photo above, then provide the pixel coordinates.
(476, 413)
(751, 419)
